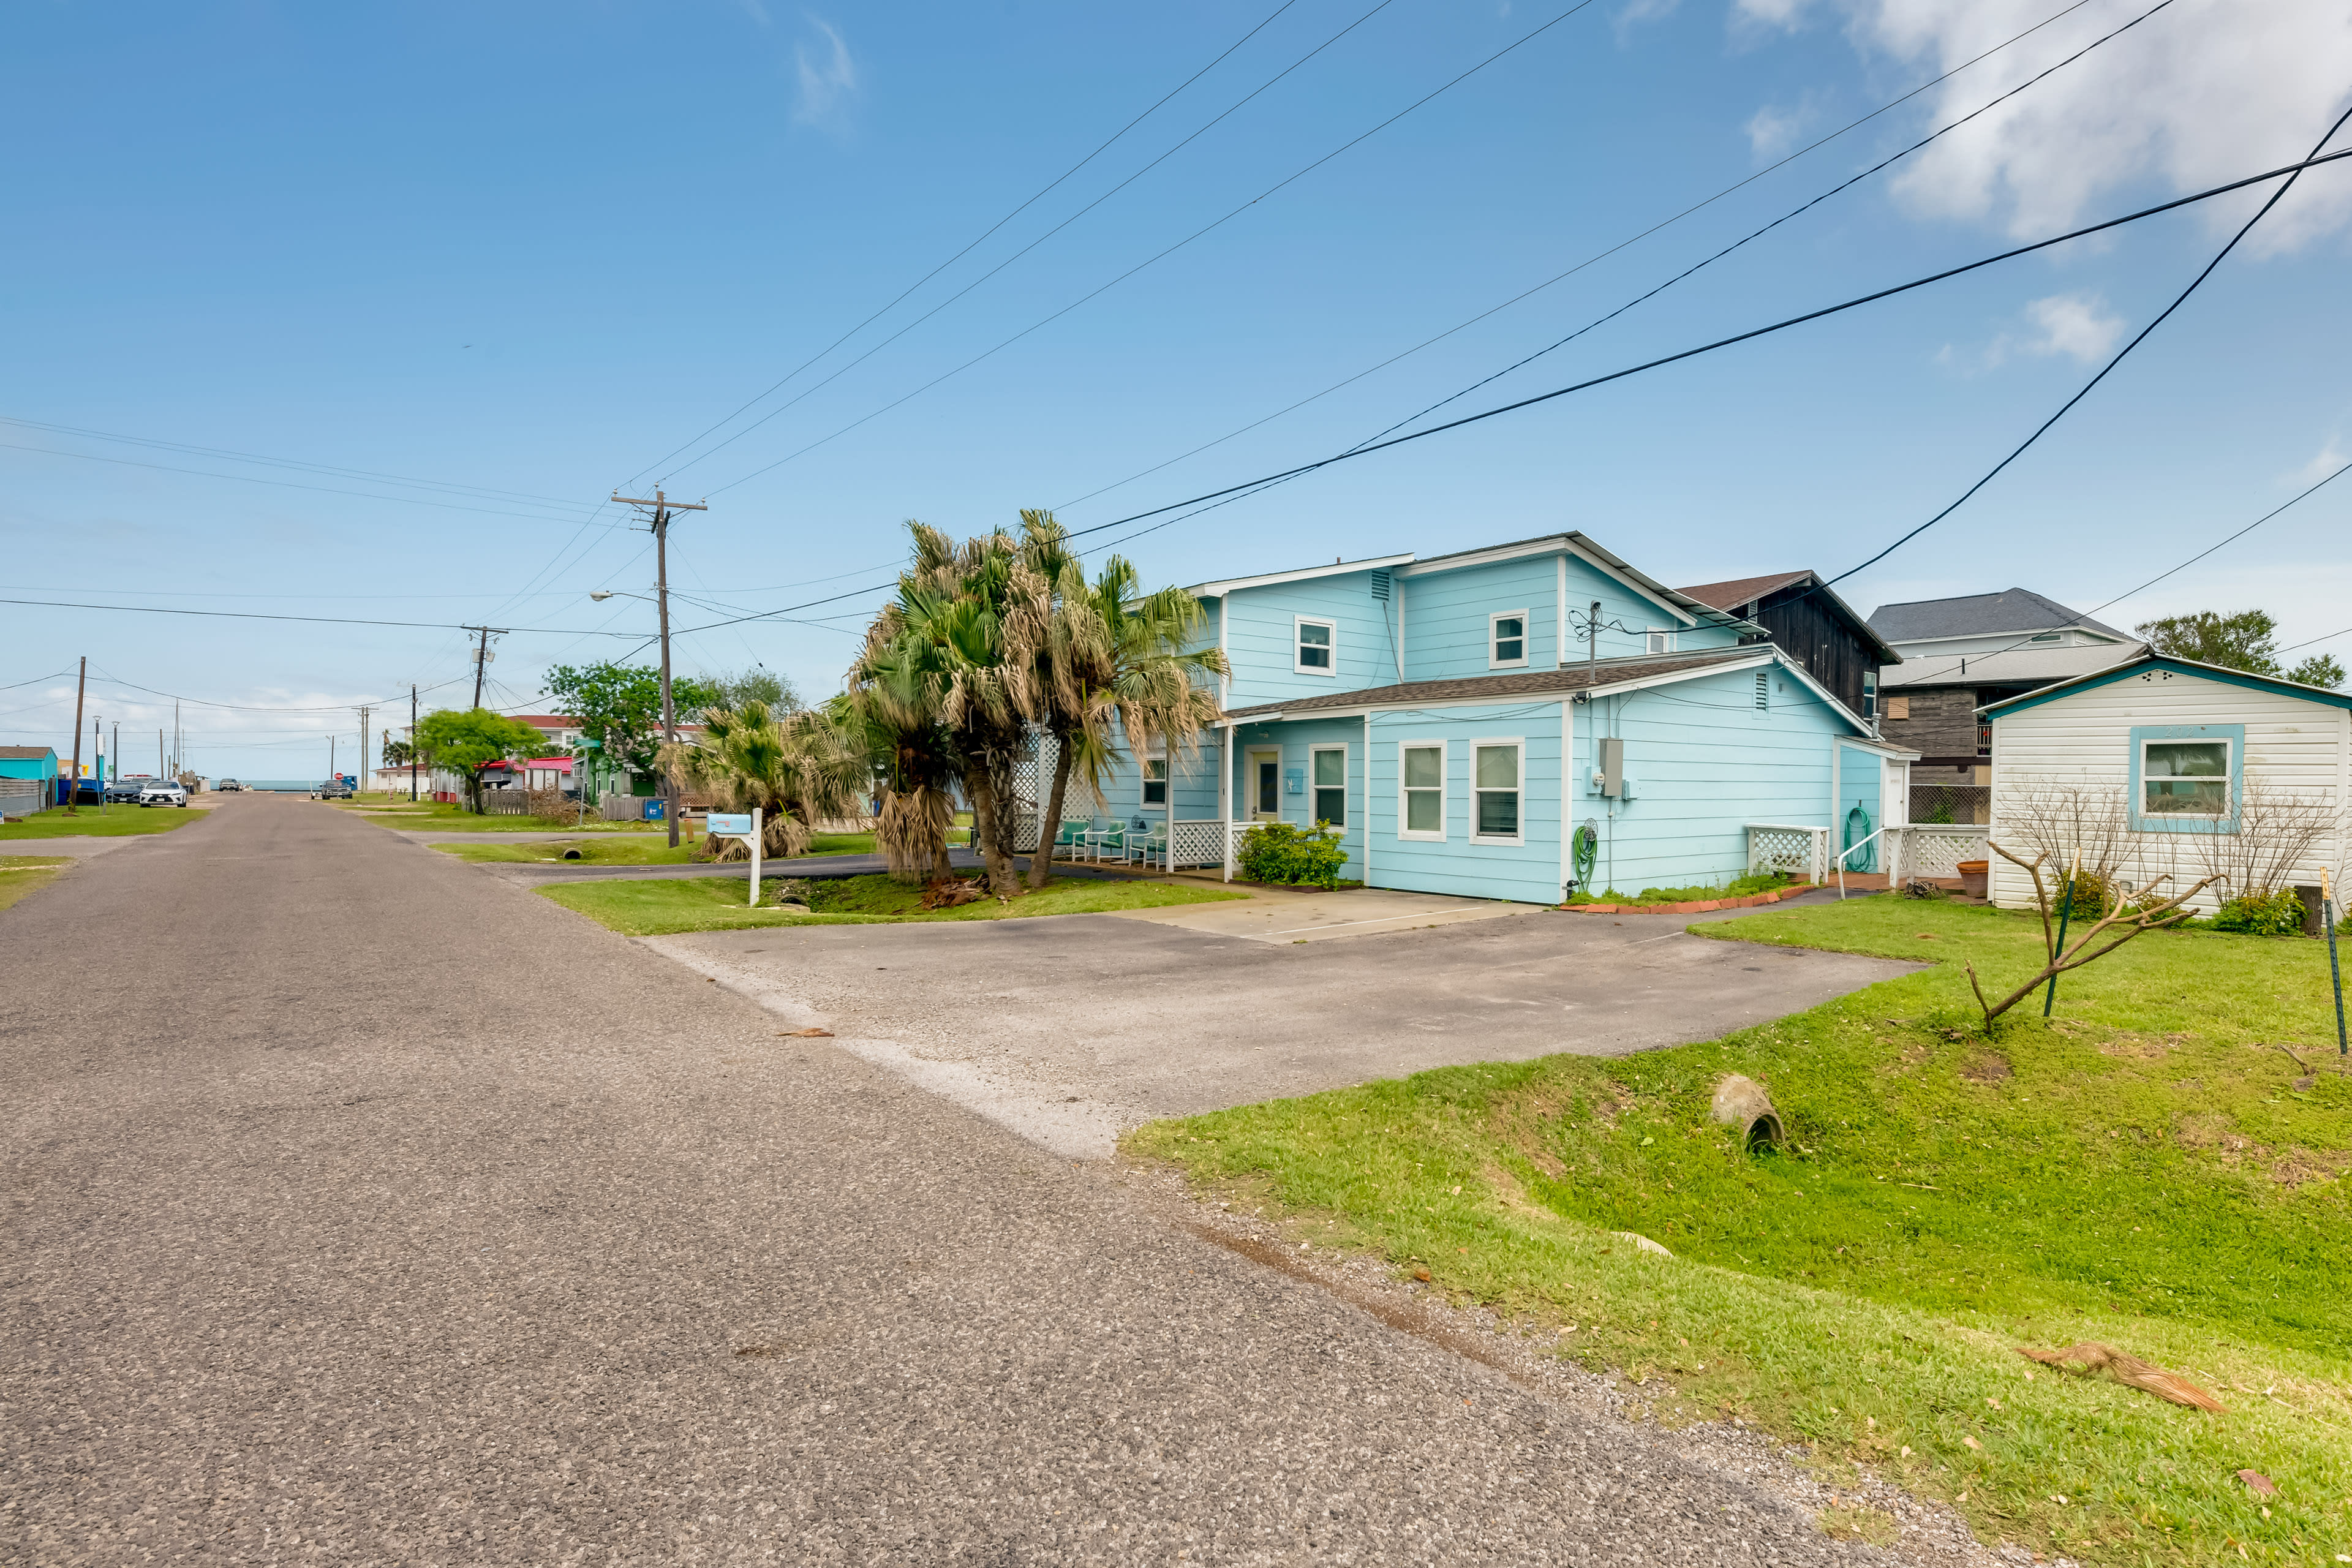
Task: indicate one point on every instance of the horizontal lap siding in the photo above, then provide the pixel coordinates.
(1195, 793)
(1705, 762)
(1258, 641)
(2084, 738)
(1447, 617)
(1860, 781)
(1527, 871)
(1296, 741)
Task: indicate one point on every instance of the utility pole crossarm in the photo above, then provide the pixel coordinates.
(663, 502)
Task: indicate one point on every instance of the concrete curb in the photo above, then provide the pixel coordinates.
(1696, 906)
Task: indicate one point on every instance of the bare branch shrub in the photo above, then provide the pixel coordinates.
(2278, 828)
(2056, 818)
(2148, 914)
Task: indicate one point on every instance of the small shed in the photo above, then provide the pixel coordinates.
(2171, 767)
(28, 779)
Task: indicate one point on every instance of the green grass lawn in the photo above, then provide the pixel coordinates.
(665, 908)
(113, 821)
(442, 818)
(22, 874)
(641, 849)
(2144, 1172)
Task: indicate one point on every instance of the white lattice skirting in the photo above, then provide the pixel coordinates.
(1197, 844)
(1780, 846)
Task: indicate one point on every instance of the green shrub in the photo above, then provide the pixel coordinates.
(1296, 857)
(2256, 914)
(2091, 899)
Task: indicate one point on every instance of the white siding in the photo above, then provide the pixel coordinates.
(2084, 738)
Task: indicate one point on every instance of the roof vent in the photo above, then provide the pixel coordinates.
(1379, 585)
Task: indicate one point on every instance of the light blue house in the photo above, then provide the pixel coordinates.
(1457, 718)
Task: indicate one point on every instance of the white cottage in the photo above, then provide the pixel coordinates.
(2189, 751)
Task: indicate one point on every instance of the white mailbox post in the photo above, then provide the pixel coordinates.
(736, 824)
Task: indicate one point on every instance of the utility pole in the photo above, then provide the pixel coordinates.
(364, 746)
(482, 656)
(662, 506)
(73, 785)
(412, 745)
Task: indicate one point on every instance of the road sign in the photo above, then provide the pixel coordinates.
(728, 825)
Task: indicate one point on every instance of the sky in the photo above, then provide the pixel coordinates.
(362, 314)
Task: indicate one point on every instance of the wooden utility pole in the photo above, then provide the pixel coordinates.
(482, 656)
(73, 785)
(662, 506)
(363, 750)
(412, 745)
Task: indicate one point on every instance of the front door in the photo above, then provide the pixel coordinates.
(1265, 787)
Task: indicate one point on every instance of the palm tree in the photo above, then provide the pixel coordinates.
(797, 768)
(910, 762)
(1112, 662)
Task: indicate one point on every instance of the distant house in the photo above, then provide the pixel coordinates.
(28, 779)
(1795, 611)
(2188, 751)
(1960, 655)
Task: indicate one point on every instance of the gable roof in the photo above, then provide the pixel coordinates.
(14, 754)
(2031, 665)
(1739, 595)
(1267, 579)
(1981, 615)
(2145, 659)
(1567, 678)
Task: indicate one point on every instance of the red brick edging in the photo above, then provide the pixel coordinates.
(1697, 907)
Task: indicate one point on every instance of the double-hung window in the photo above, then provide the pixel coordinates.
(1421, 781)
(1155, 781)
(1316, 646)
(2185, 777)
(1495, 768)
(1330, 783)
(1507, 639)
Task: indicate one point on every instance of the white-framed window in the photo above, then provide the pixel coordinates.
(1316, 644)
(1420, 790)
(1507, 638)
(1327, 777)
(1496, 783)
(1155, 781)
(1662, 642)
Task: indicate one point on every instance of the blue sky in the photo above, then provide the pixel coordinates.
(521, 254)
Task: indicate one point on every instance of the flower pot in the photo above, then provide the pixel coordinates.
(1973, 877)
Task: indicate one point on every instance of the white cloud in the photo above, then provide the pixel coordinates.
(2202, 92)
(824, 83)
(2330, 457)
(2077, 325)
(1640, 11)
(1771, 132)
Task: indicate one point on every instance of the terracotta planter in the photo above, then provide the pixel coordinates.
(1973, 877)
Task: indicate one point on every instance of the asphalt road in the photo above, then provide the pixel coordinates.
(363, 1208)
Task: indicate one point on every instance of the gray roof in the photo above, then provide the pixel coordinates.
(1517, 683)
(14, 754)
(1977, 615)
(2008, 666)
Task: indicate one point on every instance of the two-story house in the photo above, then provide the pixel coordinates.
(1457, 718)
(1962, 654)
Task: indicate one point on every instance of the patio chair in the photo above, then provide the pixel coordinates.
(1070, 840)
(1150, 847)
(1106, 842)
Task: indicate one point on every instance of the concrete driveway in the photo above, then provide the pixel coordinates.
(1071, 1030)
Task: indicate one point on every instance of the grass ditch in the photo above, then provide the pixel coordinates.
(2148, 1170)
(96, 822)
(692, 904)
(24, 875)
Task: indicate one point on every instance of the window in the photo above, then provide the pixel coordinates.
(1316, 640)
(1870, 694)
(2047, 636)
(1507, 638)
(2184, 777)
(1495, 792)
(1662, 642)
(1421, 771)
(1155, 781)
(1984, 739)
(1330, 765)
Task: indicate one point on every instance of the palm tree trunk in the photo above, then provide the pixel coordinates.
(1049, 826)
(986, 820)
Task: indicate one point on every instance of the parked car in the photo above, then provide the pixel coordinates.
(125, 790)
(228, 786)
(162, 791)
(334, 789)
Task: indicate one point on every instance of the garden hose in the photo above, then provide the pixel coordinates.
(1585, 853)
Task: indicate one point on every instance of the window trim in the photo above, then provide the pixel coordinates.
(1143, 800)
(1314, 790)
(1404, 800)
(2233, 735)
(1526, 628)
(1519, 744)
(1651, 635)
(1298, 665)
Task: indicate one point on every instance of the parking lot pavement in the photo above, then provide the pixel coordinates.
(1071, 1030)
(1294, 915)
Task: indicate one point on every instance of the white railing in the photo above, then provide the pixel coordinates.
(1781, 846)
(1199, 843)
(1934, 849)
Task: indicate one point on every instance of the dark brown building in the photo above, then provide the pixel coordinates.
(1811, 625)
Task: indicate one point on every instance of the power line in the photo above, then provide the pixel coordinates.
(1161, 256)
(1590, 260)
(991, 229)
(262, 616)
(1782, 325)
(2138, 338)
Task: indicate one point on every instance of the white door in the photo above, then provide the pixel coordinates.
(1263, 785)
(1894, 792)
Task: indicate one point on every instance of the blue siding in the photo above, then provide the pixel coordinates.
(1705, 762)
(1447, 617)
(1297, 741)
(1260, 639)
(1859, 778)
(1530, 870)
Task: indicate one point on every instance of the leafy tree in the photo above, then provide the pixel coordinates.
(396, 753)
(797, 768)
(619, 706)
(465, 743)
(2247, 640)
(759, 684)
